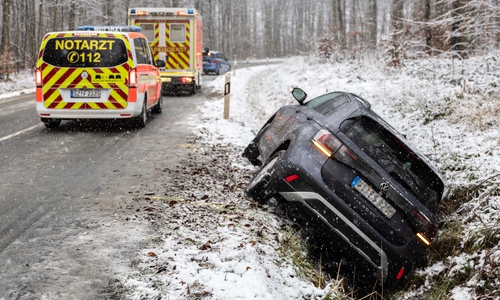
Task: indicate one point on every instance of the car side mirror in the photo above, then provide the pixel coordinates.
(160, 63)
(299, 95)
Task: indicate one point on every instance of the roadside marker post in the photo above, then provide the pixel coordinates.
(227, 93)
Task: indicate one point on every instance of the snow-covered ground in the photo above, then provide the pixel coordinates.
(212, 243)
(18, 83)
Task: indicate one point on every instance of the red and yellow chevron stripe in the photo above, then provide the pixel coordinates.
(57, 79)
(178, 53)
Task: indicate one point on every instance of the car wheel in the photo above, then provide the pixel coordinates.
(51, 123)
(159, 106)
(258, 187)
(143, 118)
(219, 71)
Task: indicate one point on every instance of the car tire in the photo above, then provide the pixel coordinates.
(219, 71)
(142, 119)
(258, 188)
(159, 106)
(51, 123)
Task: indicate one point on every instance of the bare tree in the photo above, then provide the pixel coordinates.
(372, 11)
(5, 40)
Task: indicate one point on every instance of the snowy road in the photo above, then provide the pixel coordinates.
(70, 209)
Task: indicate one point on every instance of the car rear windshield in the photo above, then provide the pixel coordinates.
(93, 52)
(396, 158)
(208, 56)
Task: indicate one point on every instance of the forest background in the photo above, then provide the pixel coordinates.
(243, 29)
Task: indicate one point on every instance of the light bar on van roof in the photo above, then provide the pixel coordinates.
(110, 28)
(133, 11)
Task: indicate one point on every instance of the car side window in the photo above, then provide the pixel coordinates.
(330, 106)
(140, 51)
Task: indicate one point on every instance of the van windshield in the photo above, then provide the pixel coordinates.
(93, 52)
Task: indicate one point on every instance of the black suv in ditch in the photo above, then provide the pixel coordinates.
(341, 169)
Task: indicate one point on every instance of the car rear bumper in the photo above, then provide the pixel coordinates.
(209, 68)
(354, 237)
(132, 110)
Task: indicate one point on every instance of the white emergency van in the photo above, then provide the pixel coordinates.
(97, 72)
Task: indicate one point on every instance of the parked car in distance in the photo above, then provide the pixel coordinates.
(345, 174)
(215, 62)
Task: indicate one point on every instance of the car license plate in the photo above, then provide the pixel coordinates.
(85, 93)
(371, 195)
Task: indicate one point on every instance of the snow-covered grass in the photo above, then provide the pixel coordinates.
(212, 243)
(17, 84)
(449, 109)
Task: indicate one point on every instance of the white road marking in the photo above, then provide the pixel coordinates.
(18, 133)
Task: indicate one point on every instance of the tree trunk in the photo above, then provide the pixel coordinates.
(397, 15)
(458, 39)
(428, 31)
(72, 16)
(373, 23)
(340, 13)
(5, 40)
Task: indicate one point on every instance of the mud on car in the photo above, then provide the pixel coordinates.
(344, 173)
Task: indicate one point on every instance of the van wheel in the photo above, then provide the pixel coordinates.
(143, 118)
(51, 123)
(194, 89)
(159, 106)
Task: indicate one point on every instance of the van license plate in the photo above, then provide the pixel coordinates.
(85, 94)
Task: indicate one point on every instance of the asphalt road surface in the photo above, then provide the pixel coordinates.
(68, 196)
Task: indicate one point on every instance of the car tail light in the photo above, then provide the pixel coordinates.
(132, 78)
(38, 77)
(428, 230)
(328, 144)
(215, 61)
(186, 79)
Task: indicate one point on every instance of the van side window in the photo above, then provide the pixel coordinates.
(149, 53)
(140, 51)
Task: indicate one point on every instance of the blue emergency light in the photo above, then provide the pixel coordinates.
(109, 28)
(190, 11)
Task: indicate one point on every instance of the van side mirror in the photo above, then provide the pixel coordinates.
(160, 63)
